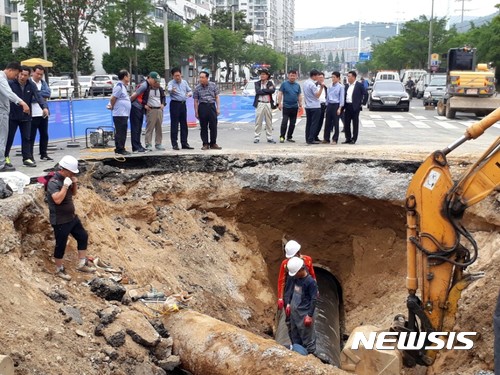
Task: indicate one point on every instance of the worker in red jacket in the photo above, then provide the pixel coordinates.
(292, 248)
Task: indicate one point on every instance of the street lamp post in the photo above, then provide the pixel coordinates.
(42, 26)
(429, 52)
(165, 37)
(232, 29)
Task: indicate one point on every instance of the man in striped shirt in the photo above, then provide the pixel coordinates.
(206, 109)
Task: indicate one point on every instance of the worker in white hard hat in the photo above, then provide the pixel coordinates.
(300, 299)
(60, 191)
(292, 249)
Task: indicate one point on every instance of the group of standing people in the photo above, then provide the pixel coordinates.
(149, 99)
(23, 106)
(336, 102)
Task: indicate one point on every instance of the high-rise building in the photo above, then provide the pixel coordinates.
(272, 21)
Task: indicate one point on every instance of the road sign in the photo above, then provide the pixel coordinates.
(365, 56)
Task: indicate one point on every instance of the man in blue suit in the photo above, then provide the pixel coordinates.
(355, 97)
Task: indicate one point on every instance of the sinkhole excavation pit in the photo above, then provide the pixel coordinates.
(212, 226)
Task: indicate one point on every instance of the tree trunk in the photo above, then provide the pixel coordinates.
(74, 63)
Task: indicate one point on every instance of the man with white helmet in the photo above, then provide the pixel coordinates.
(300, 298)
(292, 249)
(60, 191)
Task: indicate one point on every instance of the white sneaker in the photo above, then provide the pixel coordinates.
(62, 274)
(86, 269)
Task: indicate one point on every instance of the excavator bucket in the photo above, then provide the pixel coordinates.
(364, 361)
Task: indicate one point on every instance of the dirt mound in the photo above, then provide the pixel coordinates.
(203, 234)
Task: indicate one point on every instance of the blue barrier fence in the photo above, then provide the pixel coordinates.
(92, 113)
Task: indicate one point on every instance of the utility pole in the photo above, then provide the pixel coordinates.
(232, 29)
(429, 52)
(42, 25)
(165, 40)
(359, 40)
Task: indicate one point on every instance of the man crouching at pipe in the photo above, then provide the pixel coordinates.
(300, 300)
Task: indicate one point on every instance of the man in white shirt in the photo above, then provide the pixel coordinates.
(312, 92)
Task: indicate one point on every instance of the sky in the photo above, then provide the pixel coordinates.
(336, 13)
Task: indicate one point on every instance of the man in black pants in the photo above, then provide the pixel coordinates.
(179, 92)
(60, 191)
(355, 97)
(120, 105)
(28, 92)
(40, 118)
(206, 109)
(289, 102)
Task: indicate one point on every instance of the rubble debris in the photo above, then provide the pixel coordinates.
(170, 363)
(5, 190)
(219, 229)
(108, 315)
(6, 365)
(107, 289)
(72, 314)
(102, 171)
(139, 329)
(57, 295)
(164, 349)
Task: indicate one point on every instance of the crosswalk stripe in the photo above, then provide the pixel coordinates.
(393, 124)
(420, 125)
(375, 116)
(441, 118)
(298, 122)
(397, 116)
(368, 124)
(418, 117)
(466, 124)
(445, 125)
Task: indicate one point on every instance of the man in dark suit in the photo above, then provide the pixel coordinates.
(355, 97)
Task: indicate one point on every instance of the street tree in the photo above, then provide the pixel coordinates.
(486, 39)
(223, 20)
(71, 19)
(203, 45)
(122, 21)
(6, 55)
(409, 49)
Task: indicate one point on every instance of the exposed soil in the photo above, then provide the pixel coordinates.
(203, 234)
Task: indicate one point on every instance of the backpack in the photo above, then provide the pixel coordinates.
(44, 180)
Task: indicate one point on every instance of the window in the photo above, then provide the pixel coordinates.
(15, 37)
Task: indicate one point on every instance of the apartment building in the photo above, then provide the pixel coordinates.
(272, 20)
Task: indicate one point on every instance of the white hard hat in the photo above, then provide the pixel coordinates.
(291, 248)
(294, 265)
(70, 163)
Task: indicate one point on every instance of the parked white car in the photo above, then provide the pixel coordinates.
(61, 89)
(85, 83)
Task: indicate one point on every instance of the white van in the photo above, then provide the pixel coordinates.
(387, 75)
(415, 75)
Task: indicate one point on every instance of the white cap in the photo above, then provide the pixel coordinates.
(70, 163)
(291, 248)
(294, 265)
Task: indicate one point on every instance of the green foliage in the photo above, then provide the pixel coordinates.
(68, 21)
(6, 55)
(223, 20)
(410, 48)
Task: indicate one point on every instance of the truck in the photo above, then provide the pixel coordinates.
(469, 87)
(439, 249)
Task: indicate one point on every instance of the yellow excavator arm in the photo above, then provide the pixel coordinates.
(437, 254)
(439, 249)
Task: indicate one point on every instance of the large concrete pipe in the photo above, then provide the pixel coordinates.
(6, 365)
(327, 320)
(208, 346)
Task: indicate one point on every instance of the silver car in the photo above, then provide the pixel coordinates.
(435, 90)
